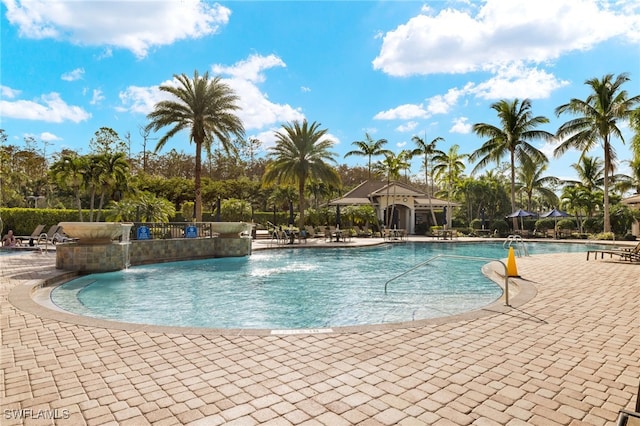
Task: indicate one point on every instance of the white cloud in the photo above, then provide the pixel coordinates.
(257, 111)
(460, 125)
(97, 97)
(48, 137)
(50, 108)
(305, 89)
(442, 104)
(73, 75)
(141, 100)
(8, 93)
(516, 81)
(133, 25)
(461, 41)
(403, 112)
(407, 127)
(250, 69)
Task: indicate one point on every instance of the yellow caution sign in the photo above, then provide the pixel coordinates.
(512, 270)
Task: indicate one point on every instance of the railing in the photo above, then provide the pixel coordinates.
(518, 244)
(484, 259)
(169, 230)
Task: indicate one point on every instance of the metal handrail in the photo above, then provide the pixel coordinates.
(516, 239)
(484, 259)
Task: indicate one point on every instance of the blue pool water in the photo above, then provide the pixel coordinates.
(296, 288)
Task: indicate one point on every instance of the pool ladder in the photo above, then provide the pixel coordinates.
(484, 259)
(518, 244)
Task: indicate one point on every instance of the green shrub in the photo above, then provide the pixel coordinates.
(604, 236)
(476, 224)
(593, 225)
(545, 223)
(566, 224)
(501, 226)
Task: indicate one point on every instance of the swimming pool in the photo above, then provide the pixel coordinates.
(296, 288)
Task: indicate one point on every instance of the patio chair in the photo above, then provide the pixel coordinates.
(33, 237)
(50, 235)
(628, 254)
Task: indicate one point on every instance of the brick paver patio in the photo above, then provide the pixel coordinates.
(569, 356)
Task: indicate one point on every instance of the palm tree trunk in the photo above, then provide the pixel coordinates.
(513, 190)
(198, 184)
(301, 205)
(426, 178)
(79, 202)
(607, 164)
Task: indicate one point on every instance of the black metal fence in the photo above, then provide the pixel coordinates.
(169, 230)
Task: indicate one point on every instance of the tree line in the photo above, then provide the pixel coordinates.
(509, 172)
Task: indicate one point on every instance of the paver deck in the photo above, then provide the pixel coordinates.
(569, 356)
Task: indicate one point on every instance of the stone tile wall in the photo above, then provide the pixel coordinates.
(111, 257)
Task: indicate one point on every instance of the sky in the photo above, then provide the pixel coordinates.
(392, 69)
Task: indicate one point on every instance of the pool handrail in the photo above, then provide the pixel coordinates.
(519, 244)
(453, 256)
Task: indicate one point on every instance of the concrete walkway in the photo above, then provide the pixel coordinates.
(569, 356)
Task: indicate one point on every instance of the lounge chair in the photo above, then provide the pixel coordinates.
(628, 254)
(50, 236)
(34, 235)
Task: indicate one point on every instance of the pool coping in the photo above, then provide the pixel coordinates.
(34, 296)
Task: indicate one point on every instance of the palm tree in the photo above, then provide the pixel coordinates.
(368, 148)
(113, 175)
(448, 169)
(301, 153)
(68, 173)
(517, 129)
(530, 180)
(206, 108)
(598, 118)
(590, 171)
(427, 150)
(391, 166)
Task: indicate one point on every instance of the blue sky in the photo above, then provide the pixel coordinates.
(394, 69)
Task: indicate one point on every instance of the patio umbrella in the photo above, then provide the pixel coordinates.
(338, 218)
(555, 214)
(521, 213)
(291, 213)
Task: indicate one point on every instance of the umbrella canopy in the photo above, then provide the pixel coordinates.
(338, 219)
(521, 213)
(555, 213)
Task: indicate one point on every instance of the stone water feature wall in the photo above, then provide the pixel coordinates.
(112, 257)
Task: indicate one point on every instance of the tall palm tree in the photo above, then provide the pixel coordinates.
(517, 129)
(113, 175)
(448, 168)
(206, 108)
(530, 180)
(68, 173)
(392, 166)
(598, 118)
(427, 150)
(368, 148)
(590, 171)
(301, 153)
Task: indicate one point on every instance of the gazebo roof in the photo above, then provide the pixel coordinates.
(368, 190)
(633, 200)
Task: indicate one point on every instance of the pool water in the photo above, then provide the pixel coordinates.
(296, 288)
